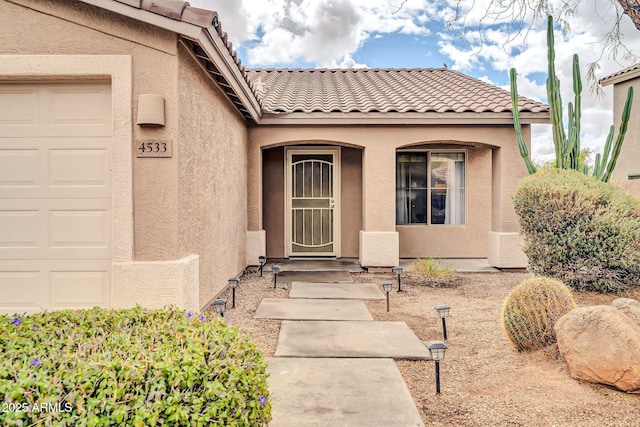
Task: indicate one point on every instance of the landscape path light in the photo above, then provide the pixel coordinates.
(220, 306)
(262, 260)
(436, 351)
(276, 270)
(398, 270)
(443, 313)
(386, 286)
(233, 284)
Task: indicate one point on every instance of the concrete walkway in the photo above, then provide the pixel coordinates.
(311, 309)
(330, 370)
(366, 291)
(339, 392)
(349, 339)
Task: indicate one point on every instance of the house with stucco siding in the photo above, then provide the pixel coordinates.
(627, 171)
(142, 163)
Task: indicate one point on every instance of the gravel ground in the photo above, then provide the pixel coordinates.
(484, 381)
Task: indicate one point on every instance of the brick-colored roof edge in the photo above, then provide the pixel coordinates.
(179, 10)
(415, 90)
(621, 75)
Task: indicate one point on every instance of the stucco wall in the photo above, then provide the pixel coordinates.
(212, 183)
(496, 169)
(351, 199)
(273, 200)
(629, 160)
(83, 29)
(464, 241)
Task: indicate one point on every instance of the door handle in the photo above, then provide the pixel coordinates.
(332, 203)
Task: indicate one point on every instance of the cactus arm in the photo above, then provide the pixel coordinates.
(597, 165)
(624, 122)
(553, 95)
(577, 113)
(604, 160)
(524, 152)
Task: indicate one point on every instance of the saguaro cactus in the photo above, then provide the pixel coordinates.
(567, 143)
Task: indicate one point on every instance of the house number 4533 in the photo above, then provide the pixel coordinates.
(153, 148)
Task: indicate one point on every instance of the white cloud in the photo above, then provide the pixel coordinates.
(325, 33)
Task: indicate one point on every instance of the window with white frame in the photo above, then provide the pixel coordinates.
(430, 187)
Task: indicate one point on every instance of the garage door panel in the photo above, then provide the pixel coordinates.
(55, 195)
(28, 286)
(19, 168)
(70, 289)
(51, 110)
(79, 168)
(19, 106)
(79, 106)
(20, 229)
(20, 288)
(55, 229)
(79, 229)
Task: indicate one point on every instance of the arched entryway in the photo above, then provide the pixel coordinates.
(312, 200)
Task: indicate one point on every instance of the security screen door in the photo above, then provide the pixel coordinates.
(313, 195)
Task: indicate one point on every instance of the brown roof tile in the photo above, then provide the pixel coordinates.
(179, 10)
(621, 75)
(438, 90)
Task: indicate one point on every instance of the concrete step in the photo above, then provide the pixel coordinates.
(349, 339)
(339, 392)
(361, 291)
(311, 309)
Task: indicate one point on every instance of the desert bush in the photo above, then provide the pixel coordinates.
(580, 230)
(129, 367)
(532, 309)
(431, 270)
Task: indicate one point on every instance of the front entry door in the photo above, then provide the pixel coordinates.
(313, 194)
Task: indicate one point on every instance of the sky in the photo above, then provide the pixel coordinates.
(463, 34)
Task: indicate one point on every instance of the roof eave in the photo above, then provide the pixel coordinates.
(400, 118)
(620, 77)
(207, 38)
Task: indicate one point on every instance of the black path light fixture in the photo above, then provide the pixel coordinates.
(386, 286)
(398, 270)
(220, 306)
(233, 284)
(443, 313)
(262, 260)
(436, 351)
(276, 270)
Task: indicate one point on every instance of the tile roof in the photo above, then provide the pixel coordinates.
(436, 90)
(278, 91)
(622, 75)
(179, 10)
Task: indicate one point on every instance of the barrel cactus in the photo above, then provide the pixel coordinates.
(532, 309)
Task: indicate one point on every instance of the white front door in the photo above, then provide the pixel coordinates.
(312, 202)
(55, 195)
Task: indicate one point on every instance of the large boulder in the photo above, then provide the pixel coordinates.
(628, 306)
(601, 344)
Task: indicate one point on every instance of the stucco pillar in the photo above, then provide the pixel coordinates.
(256, 239)
(505, 241)
(379, 240)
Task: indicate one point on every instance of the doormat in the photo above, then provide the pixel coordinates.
(314, 276)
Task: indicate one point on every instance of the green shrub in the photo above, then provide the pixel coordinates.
(580, 230)
(129, 367)
(532, 309)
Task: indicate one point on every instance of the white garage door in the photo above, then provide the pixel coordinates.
(55, 196)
